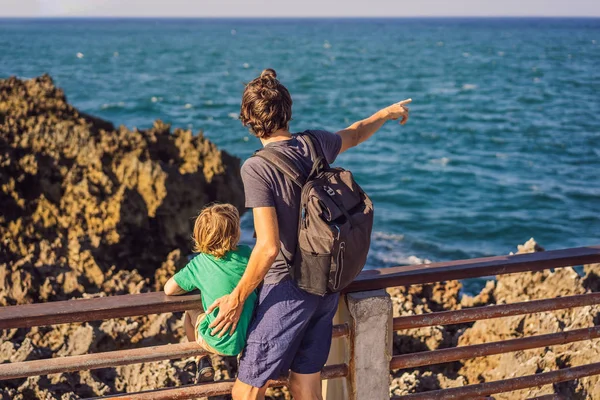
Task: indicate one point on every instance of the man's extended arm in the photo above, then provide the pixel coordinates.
(360, 131)
(263, 255)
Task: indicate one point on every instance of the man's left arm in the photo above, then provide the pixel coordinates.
(263, 255)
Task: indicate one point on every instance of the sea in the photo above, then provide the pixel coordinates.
(503, 142)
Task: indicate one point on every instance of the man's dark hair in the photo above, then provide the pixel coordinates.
(266, 105)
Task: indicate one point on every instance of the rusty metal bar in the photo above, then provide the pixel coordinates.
(480, 350)
(499, 311)
(113, 358)
(341, 330)
(83, 310)
(216, 388)
(99, 308)
(507, 385)
(98, 360)
(474, 268)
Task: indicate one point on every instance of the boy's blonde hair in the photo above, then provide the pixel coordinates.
(217, 230)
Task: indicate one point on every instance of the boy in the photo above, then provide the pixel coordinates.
(216, 271)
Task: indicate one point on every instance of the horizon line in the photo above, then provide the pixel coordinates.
(74, 17)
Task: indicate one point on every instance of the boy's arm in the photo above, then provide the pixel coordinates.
(263, 255)
(360, 131)
(172, 288)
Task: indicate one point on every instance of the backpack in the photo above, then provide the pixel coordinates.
(335, 223)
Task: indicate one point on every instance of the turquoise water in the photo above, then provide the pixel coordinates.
(503, 143)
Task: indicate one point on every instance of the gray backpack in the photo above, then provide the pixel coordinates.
(335, 223)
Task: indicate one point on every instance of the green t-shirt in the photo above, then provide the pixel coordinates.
(217, 277)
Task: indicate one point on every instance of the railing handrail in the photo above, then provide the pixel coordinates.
(83, 310)
(473, 268)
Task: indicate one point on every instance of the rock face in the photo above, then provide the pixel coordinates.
(506, 289)
(87, 209)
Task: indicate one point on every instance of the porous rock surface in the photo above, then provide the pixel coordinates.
(506, 289)
(88, 209)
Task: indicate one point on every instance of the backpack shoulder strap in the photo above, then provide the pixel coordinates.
(282, 164)
(315, 150)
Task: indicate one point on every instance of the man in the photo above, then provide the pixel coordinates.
(291, 329)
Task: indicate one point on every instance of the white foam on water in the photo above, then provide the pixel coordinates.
(469, 86)
(209, 103)
(326, 45)
(116, 54)
(246, 65)
(107, 106)
(154, 99)
(440, 44)
(188, 105)
(233, 32)
(465, 54)
(233, 115)
(414, 260)
(442, 161)
(80, 55)
(501, 53)
(388, 236)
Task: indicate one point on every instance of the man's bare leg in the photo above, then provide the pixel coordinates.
(243, 391)
(306, 386)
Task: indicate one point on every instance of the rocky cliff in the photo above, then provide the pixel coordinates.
(88, 209)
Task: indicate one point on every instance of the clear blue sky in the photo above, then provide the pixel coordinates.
(297, 8)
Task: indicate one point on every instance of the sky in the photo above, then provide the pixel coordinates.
(297, 8)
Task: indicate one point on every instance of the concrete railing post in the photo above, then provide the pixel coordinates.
(370, 345)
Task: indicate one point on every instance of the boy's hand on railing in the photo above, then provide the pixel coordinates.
(398, 110)
(230, 309)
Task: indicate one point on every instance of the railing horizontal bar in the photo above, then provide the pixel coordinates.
(216, 388)
(340, 330)
(113, 358)
(83, 310)
(507, 385)
(473, 268)
(98, 360)
(486, 349)
(498, 311)
(99, 308)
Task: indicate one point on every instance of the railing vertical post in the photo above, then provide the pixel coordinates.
(370, 344)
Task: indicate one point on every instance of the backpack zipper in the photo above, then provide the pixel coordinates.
(340, 265)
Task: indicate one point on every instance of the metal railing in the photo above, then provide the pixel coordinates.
(84, 310)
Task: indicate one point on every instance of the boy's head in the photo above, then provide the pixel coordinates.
(266, 105)
(217, 230)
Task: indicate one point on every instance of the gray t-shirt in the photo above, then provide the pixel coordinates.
(266, 187)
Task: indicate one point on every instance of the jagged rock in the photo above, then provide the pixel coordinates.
(79, 196)
(90, 210)
(506, 289)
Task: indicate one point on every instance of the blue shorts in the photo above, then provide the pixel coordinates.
(291, 330)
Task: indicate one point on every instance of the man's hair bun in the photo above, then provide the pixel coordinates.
(268, 73)
(266, 105)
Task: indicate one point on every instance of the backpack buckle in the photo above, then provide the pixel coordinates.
(329, 190)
